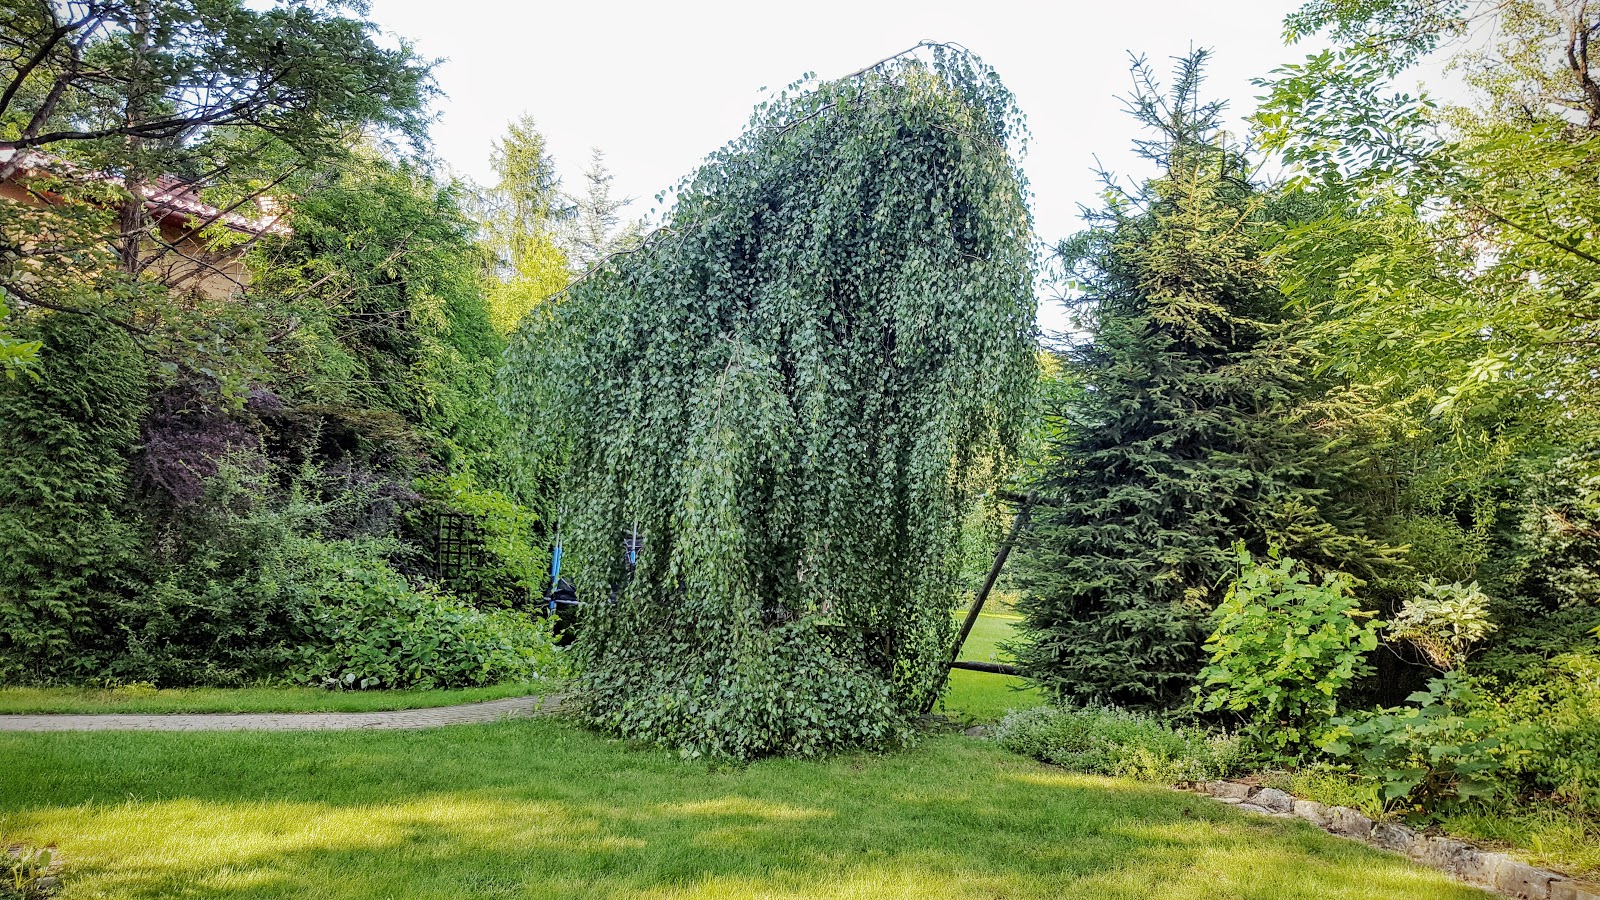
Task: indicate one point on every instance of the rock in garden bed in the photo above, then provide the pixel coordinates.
(1498, 872)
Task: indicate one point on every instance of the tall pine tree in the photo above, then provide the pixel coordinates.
(1180, 443)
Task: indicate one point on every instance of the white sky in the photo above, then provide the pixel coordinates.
(659, 85)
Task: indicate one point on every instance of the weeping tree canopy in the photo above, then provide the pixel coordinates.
(792, 393)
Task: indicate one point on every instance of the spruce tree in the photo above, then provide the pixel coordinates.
(1179, 444)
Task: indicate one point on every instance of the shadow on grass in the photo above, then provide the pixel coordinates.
(540, 809)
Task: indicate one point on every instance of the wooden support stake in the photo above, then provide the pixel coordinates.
(1024, 507)
(990, 667)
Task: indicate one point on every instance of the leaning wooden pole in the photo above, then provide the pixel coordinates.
(1025, 506)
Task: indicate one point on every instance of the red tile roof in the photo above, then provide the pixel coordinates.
(169, 197)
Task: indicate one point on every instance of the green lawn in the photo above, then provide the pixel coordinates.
(973, 696)
(979, 696)
(238, 700)
(539, 808)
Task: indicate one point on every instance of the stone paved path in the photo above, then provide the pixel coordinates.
(466, 714)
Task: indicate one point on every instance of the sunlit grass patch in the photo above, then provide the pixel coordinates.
(980, 696)
(541, 809)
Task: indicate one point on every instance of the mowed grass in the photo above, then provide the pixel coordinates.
(973, 696)
(134, 700)
(980, 696)
(540, 808)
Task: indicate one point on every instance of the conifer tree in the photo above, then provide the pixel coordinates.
(523, 217)
(1179, 445)
(594, 228)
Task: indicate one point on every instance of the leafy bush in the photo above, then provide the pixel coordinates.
(1444, 621)
(1110, 741)
(515, 561)
(1283, 649)
(214, 612)
(794, 694)
(367, 627)
(1440, 749)
(1560, 521)
(257, 593)
(1527, 644)
(1464, 740)
(1560, 704)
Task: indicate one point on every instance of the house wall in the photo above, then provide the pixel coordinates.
(185, 264)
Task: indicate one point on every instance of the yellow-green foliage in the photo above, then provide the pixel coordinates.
(1284, 648)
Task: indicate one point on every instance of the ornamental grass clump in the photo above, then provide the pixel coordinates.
(791, 393)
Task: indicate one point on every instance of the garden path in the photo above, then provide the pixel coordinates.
(464, 714)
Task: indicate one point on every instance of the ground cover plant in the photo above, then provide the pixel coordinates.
(1109, 741)
(792, 394)
(543, 809)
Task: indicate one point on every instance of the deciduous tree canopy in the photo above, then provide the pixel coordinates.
(790, 394)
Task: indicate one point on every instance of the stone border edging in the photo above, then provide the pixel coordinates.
(1495, 871)
(424, 717)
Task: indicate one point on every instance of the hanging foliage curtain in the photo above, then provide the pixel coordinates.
(792, 392)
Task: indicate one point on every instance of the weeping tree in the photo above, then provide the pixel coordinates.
(790, 394)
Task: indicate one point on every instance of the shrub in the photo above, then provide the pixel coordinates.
(68, 545)
(1283, 649)
(794, 694)
(367, 627)
(1444, 621)
(514, 564)
(1462, 741)
(214, 612)
(1560, 704)
(1442, 748)
(1110, 741)
(1558, 529)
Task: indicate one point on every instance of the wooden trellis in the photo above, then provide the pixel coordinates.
(456, 545)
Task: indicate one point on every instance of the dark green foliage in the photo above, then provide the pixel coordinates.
(793, 392)
(67, 545)
(286, 424)
(1463, 739)
(366, 626)
(261, 583)
(212, 612)
(1560, 530)
(190, 566)
(1178, 444)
